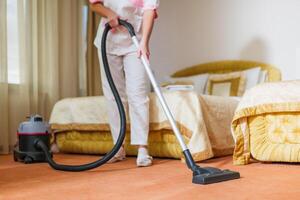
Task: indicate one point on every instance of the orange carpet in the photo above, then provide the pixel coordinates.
(166, 179)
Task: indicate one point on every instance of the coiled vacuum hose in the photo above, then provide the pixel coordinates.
(40, 144)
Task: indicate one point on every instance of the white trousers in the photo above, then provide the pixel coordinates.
(132, 83)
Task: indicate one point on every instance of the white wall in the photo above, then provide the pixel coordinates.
(197, 31)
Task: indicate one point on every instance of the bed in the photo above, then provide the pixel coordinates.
(79, 125)
(266, 124)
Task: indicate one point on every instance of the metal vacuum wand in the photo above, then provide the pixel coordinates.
(200, 175)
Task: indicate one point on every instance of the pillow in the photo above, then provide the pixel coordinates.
(198, 82)
(230, 84)
(252, 77)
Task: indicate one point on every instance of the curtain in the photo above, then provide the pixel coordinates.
(93, 67)
(50, 62)
(4, 114)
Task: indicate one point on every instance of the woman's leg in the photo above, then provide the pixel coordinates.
(117, 71)
(137, 87)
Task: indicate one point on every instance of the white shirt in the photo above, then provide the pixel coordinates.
(119, 42)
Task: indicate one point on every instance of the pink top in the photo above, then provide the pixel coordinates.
(119, 42)
(144, 4)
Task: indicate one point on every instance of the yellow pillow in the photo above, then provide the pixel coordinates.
(230, 84)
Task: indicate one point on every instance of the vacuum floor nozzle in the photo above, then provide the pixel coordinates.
(211, 175)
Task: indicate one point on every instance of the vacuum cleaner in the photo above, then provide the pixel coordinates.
(34, 129)
(34, 134)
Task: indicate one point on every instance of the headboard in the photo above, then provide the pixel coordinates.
(227, 66)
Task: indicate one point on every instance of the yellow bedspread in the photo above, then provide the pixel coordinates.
(190, 111)
(266, 125)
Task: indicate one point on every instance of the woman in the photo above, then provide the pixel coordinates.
(126, 67)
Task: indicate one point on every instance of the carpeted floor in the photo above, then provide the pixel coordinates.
(167, 179)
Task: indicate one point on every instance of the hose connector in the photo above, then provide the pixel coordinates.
(126, 24)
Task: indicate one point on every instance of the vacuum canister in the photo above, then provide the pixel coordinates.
(28, 133)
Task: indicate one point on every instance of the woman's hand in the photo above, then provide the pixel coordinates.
(144, 50)
(148, 21)
(111, 16)
(113, 19)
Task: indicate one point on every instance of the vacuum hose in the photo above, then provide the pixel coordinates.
(40, 144)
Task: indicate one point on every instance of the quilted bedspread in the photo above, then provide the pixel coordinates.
(266, 124)
(204, 120)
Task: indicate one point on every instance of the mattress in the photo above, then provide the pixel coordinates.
(80, 125)
(266, 125)
(161, 143)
